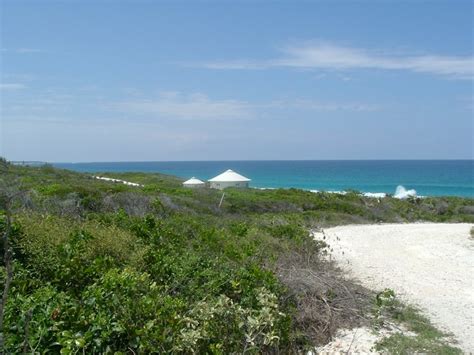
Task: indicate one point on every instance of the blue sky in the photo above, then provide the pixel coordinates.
(203, 80)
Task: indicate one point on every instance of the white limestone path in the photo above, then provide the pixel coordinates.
(430, 265)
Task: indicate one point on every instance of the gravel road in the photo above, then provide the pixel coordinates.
(430, 265)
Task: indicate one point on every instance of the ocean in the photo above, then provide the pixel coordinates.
(427, 177)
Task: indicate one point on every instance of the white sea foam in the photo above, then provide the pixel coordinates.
(402, 193)
(329, 192)
(366, 194)
(337, 192)
(375, 194)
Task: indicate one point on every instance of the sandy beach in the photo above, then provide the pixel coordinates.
(430, 265)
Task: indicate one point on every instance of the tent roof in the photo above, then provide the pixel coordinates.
(193, 181)
(229, 176)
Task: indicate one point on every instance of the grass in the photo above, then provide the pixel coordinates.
(424, 338)
(420, 344)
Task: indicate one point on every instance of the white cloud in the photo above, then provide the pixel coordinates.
(194, 106)
(312, 105)
(335, 57)
(28, 50)
(174, 105)
(59, 106)
(23, 50)
(11, 86)
(236, 64)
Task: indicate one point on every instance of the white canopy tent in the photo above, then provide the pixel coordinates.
(193, 182)
(229, 178)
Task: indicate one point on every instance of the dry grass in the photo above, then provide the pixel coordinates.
(325, 301)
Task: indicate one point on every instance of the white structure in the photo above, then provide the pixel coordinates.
(193, 183)
(229, 178)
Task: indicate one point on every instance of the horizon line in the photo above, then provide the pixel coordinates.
(231, 160)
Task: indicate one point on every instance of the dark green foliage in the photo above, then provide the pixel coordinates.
(97, 299)
(105, 267)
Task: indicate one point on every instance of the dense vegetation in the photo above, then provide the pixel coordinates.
(103, 267)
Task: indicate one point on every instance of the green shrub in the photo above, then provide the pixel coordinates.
(33, 320)
(103, 268)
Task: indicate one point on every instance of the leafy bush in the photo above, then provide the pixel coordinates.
(103, 268)
(84, 283)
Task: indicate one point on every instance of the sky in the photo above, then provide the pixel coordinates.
(85, 81)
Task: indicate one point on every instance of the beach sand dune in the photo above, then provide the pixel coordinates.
(430, 265)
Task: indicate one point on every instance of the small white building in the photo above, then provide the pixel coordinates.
(194, 183)
(229, 178)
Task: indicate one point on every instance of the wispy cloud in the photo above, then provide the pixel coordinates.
(22, 50)
(335, 57)
(67, 106)
(11, 86)
(313, 105)
(194, 106)
(174, 105)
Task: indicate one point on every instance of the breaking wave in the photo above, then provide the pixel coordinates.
(403, 193)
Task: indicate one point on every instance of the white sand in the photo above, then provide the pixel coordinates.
(354, 341)
(427, 264)
(358, 340)
(117, 180)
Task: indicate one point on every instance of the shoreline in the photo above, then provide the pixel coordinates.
(373, 178)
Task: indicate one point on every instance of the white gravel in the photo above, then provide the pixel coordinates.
(353, 341)
(430, 265)
(361, 340)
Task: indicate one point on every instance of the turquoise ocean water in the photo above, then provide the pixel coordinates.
(427, 177)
